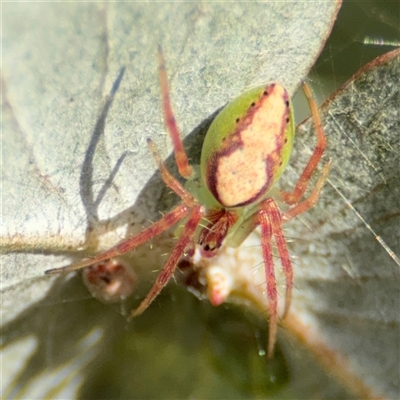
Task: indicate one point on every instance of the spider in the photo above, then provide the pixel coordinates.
(245, 151)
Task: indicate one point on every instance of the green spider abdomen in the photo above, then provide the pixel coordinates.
(248, 146)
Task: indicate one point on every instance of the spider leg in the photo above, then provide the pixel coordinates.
(168, 179)
(301, 186)
(180, 155)
(276, 221)
(312, 199)
(270, 219)
(186, 237)
(158, 227)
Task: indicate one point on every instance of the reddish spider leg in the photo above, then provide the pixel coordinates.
(180, 155)
(301, 186)
(270, 218)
